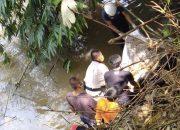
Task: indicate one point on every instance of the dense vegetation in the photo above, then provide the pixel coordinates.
(39, 25)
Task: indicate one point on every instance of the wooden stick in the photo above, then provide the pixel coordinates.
(20, 80)
(139, 26)
(103, 24)
(141, 21)
(54, 65)
(101, 5)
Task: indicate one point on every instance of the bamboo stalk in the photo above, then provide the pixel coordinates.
(139, 26)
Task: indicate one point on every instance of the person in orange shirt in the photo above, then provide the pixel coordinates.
(107, 109)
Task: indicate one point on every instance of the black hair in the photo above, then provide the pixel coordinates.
(111, 94)
(114, 60)
(94, 54)
(74, 82)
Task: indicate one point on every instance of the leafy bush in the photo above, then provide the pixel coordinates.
(39, 25)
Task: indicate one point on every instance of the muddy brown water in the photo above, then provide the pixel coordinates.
(23, 109)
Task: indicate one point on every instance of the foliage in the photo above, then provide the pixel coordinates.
(5, 55)
(39, 25)
(1, 49)
(6, 58)
(67, 65)
(166, 30)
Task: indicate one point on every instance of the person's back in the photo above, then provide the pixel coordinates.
(83, 104)
(118, 78)
(107, 109)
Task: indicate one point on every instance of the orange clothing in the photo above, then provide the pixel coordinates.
(106, 110)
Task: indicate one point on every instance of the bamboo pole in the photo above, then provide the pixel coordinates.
(139, 26)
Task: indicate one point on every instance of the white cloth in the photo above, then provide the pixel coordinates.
(109, 1)
(94, 77)
(124, 3)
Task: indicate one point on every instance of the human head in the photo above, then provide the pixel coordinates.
(114, 61)
(75, 82)
(96, 55)
(110, 8)
(111, 94)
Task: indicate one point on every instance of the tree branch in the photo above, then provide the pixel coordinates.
(139, 26)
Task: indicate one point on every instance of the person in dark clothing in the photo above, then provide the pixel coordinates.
(116, 18)
(119, 79)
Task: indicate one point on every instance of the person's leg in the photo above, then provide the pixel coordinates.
(89, 122)
(81, 128)
(85, 120)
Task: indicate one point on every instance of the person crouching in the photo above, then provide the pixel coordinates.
(107, 109)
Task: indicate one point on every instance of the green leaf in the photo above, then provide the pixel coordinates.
(1, 49)
(120, 129)
(6, 59)
(55, 2)
(178, 15)
(168, 1)
(166, 32)
(60, 37)
(39, 35)
(94, 3)
(67, 65)
(39, 26)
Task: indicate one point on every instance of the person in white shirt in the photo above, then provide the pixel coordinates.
(94, 78)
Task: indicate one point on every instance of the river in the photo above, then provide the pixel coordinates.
(21, 108)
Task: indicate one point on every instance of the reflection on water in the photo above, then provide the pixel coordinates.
(23, 108)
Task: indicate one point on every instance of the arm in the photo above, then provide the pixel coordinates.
(71, 106)
(135, 84)
(72, 109)
(132, 82)
(109, 23)
(128, 18)
(107, 20)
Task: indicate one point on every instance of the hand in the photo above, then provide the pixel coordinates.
(120, 34)
(111, 41)
(99, 123)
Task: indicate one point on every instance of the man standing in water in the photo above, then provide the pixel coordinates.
(116, 18)
(94, 78)
(119, 79)
(81, 103)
